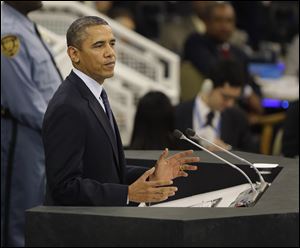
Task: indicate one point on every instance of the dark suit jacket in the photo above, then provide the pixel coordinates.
(85, 163)
(203, 52)
(234, 127)
(290, 139)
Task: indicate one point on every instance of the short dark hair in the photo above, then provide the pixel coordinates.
(227, 71)
(75, 33)
(214, 5)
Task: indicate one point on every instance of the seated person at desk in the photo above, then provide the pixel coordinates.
(212, 113)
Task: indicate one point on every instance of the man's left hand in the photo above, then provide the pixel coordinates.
(168, 168)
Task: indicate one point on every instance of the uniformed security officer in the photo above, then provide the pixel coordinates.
(29, 79)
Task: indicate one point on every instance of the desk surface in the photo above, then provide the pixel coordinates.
(283, 88)
(273, 221)
(281, 197)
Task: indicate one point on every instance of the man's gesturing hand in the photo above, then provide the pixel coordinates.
(169, 168)
(150, 191)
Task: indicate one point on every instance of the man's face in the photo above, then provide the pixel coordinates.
(224, 97)
(221, 23)
(97, 54)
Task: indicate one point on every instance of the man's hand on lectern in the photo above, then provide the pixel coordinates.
(143, 190)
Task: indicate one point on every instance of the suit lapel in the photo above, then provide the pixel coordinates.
(99, 113)
(102, 118)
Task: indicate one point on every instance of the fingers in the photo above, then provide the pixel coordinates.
(182, 154)
(150, 191)
(160, 183)
(164, 154)
(159, 194)
(164, 190)
(182, 174)
(156, 198)
(147, 174)
(162, 193)
(188, 167)
(189, 160)
(184, 167)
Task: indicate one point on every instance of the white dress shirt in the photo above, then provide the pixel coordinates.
(93, 86)
(200, 112)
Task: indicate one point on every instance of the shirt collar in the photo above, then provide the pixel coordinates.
(204, 110)
(20, 18)
(92, 84)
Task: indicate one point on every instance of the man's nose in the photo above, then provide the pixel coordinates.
(109, 51)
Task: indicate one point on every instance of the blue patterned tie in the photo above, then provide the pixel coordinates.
(108, 109)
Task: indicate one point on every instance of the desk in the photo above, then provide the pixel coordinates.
(283, 88)
(218, 198)
(273, 221)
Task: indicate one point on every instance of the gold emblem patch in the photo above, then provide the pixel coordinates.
(10, 45)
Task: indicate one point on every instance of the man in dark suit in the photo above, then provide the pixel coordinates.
(212, 113)
(85, 163)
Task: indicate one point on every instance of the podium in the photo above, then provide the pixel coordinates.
(272, 221)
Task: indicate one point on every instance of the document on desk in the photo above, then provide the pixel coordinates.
(219, 198)
(265, 165)
(283, 88)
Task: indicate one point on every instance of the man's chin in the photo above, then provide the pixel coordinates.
(110, 75)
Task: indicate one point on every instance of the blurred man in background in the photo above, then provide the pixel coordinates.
(213, 114)
(28, 80)
(204, 51)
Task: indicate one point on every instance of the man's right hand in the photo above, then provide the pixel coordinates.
(150, 191)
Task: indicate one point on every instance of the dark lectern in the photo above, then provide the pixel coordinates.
(272, 221)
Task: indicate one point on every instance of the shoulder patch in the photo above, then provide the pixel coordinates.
(10, 45)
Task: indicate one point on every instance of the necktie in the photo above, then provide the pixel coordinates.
(209, 119)
(108, 109)
(44, 45)
(225, 51)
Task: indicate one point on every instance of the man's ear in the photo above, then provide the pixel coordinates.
(207, 86)
(73, 53)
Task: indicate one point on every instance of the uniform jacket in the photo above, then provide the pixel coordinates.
(28, 81)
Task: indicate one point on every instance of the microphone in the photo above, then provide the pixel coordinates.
(193, 135)
(246, 198)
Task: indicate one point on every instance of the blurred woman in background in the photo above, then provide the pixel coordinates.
(154, 123)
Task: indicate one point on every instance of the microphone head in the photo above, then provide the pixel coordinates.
(177, 134)
(190, 132)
